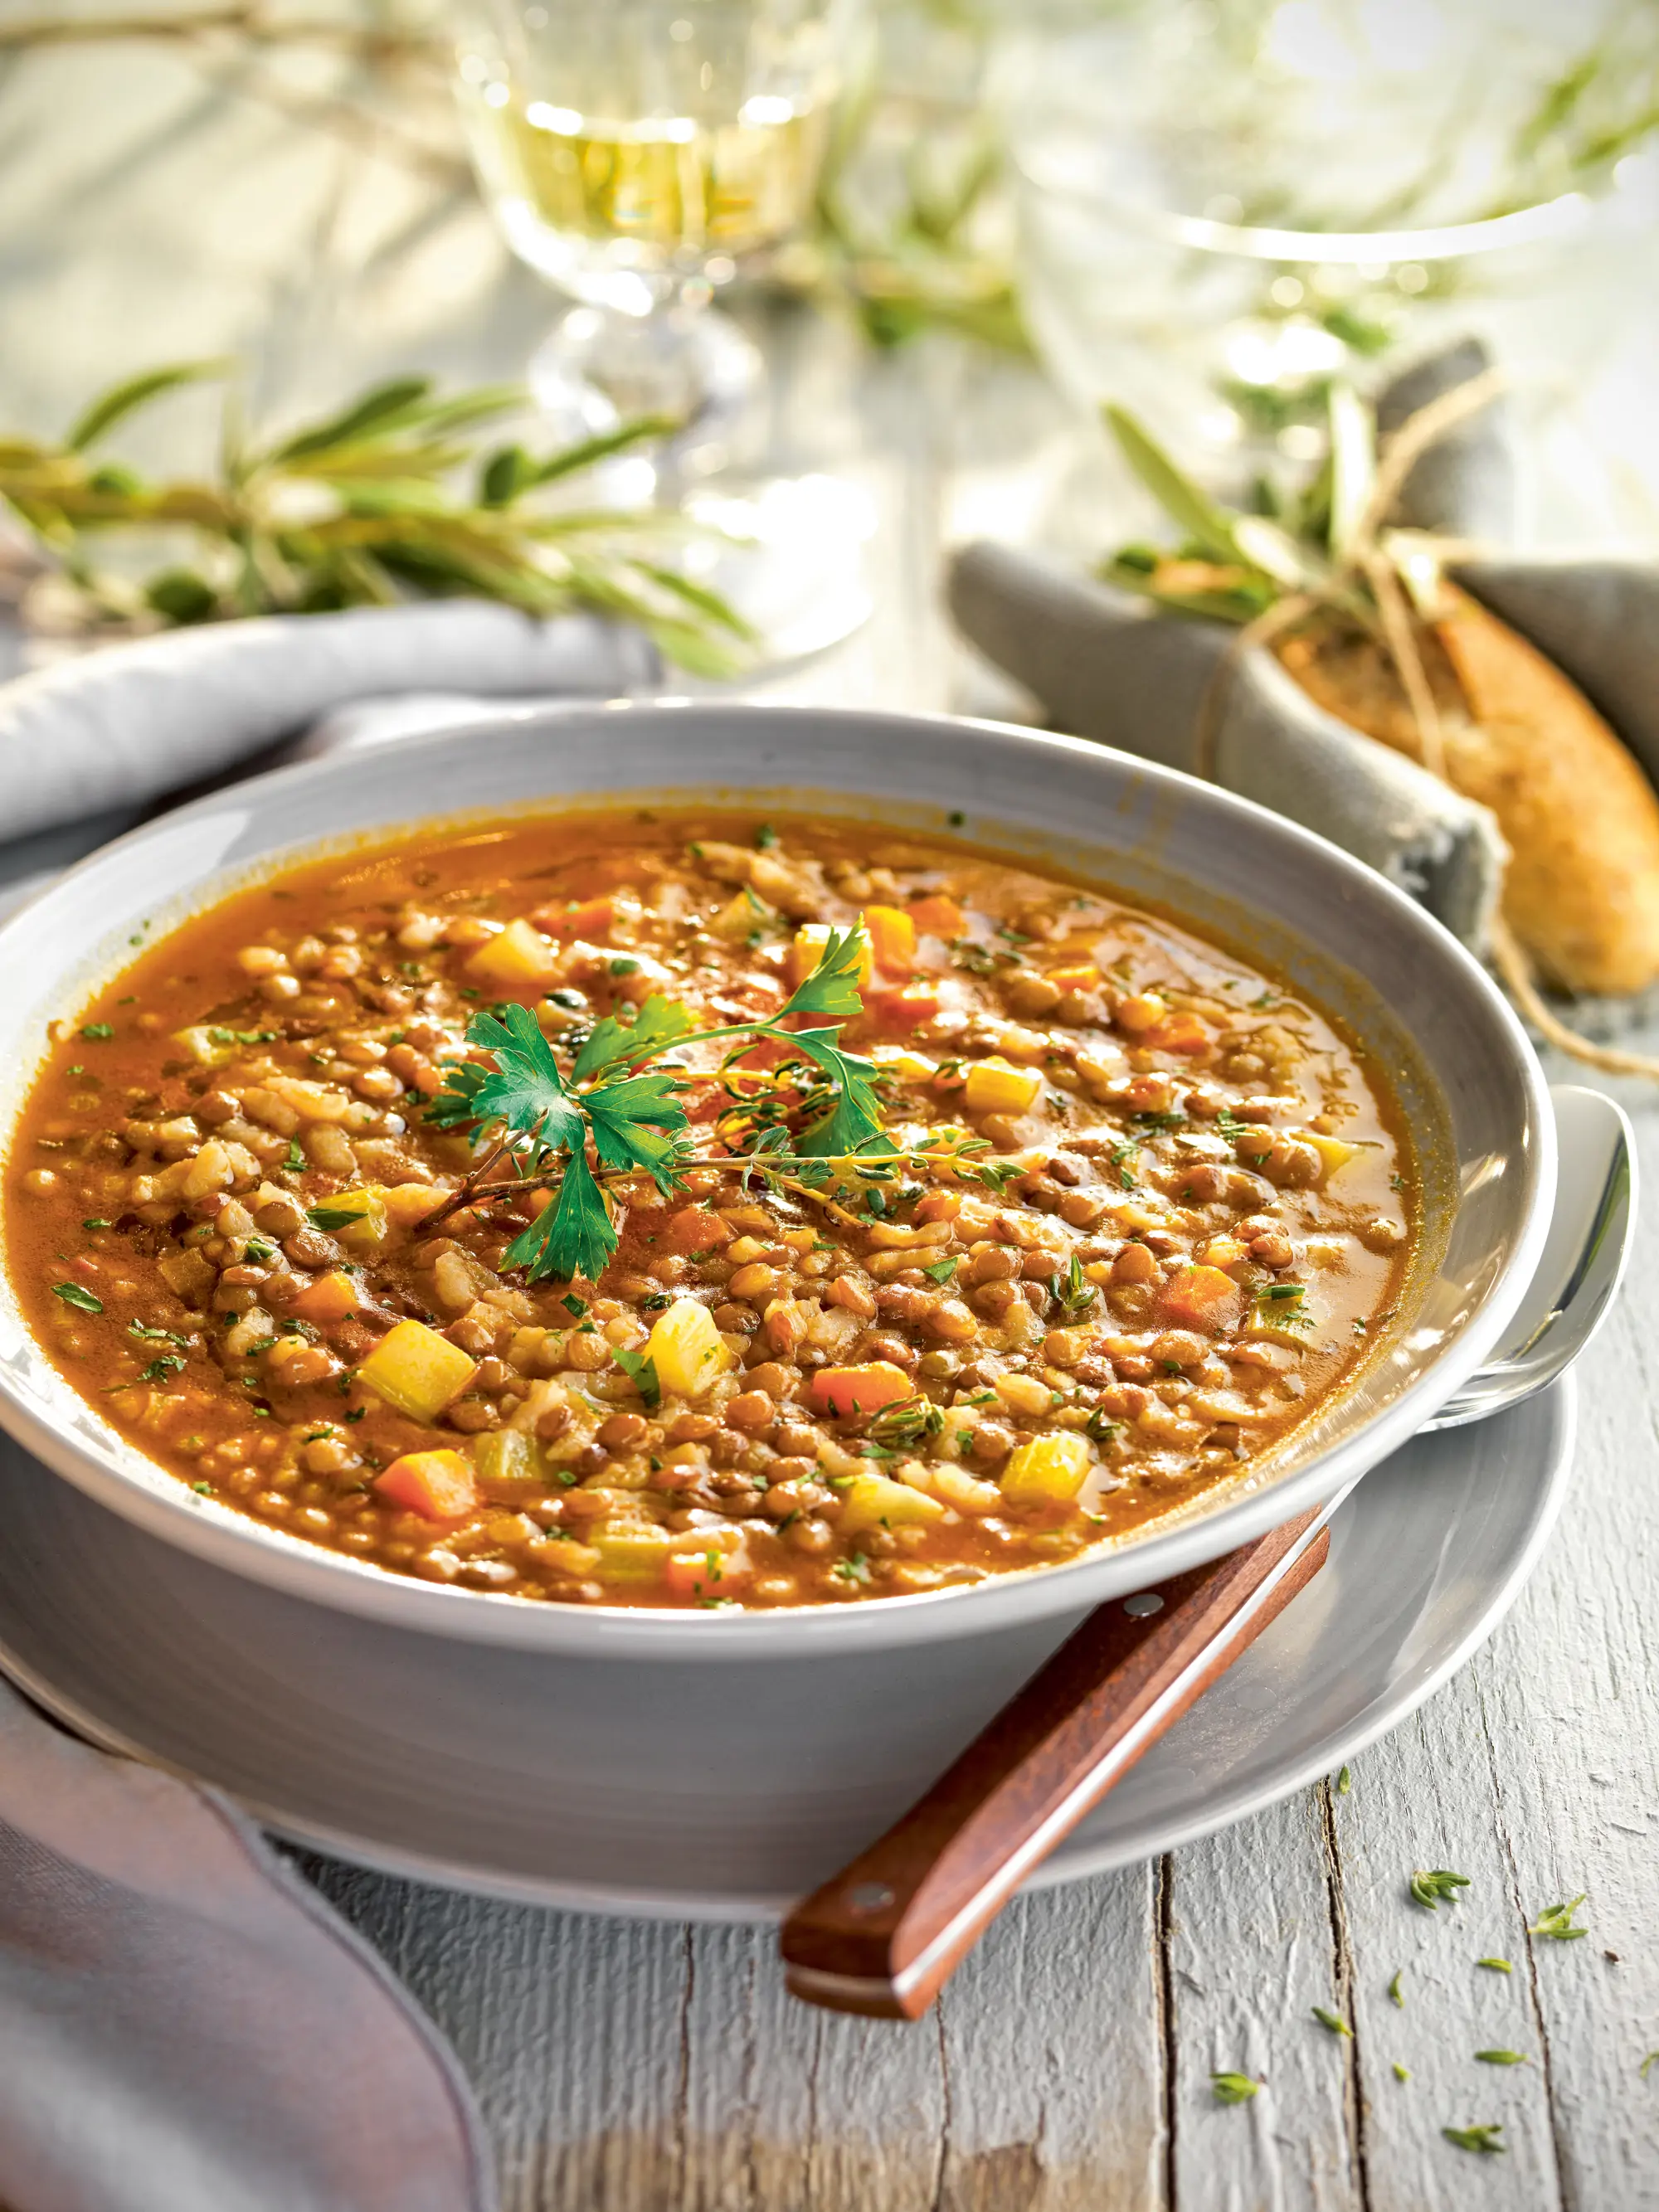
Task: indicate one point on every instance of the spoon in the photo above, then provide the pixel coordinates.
(882, 1935)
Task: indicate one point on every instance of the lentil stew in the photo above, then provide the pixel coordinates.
(677, 1210)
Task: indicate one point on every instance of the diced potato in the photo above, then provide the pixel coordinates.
(313, 1102)
(807, 949)
(951, 1485)
(994, 1086)
(437, 1484)
(517, 958)
(1223, 1252)
(408, 1203)
(630, 1551)
(357, 1217)
(872, 1501)
(1335, 1152)
(1047, 1471)
(417, 1370)
(686, 1349)
(937, 916)
(892, 934)
(331, 1298)
(1201, 1297)
(740, 918)
(847, 1390)
(508, 1462)
(190, 1275)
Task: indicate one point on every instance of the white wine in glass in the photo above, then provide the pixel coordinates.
(634, 152)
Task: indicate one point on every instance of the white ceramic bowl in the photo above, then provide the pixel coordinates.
(1439, 1031)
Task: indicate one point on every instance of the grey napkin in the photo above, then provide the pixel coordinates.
(185, 2026)
(1104, 666)
(119, 726)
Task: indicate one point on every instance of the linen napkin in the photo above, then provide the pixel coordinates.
(184, 2025)
(119, 726)
(1105, 666)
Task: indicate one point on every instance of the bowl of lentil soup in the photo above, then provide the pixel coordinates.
(690, 1187)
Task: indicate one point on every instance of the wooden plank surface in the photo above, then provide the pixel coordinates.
(627, 2067)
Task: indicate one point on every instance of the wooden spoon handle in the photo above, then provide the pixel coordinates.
(885, 1935)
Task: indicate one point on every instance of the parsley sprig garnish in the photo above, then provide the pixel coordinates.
(611, 1116)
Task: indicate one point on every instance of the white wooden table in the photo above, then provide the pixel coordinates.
(627, 2067)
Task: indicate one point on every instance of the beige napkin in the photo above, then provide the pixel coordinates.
(1104, 666)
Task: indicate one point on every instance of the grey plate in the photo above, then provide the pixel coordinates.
(724, 1793)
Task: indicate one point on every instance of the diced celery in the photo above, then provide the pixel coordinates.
(508, 1462)
(630, 1551)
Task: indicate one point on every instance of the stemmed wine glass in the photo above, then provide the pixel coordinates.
(637, 153)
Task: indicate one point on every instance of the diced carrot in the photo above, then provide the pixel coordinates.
(848, 1390)
(331, 1298)
(892, 938)
(589, 918)
(1182, 1033)
(937, 916)
(694, 1229)
(1082, 975)
(709, 1568)
(903, 1009)
(1201, 1296)
(438, 1485)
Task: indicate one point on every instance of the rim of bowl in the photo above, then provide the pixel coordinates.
(243, 1544)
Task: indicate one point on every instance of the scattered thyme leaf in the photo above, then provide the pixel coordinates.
(1344, 1783)
(1429, 1886)
(1483, 2139)
(1502, 2058)
(1394, 1989)
(1234, 2088)
(1334, 2021)
(1556, 1924)
(1495, 1965)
